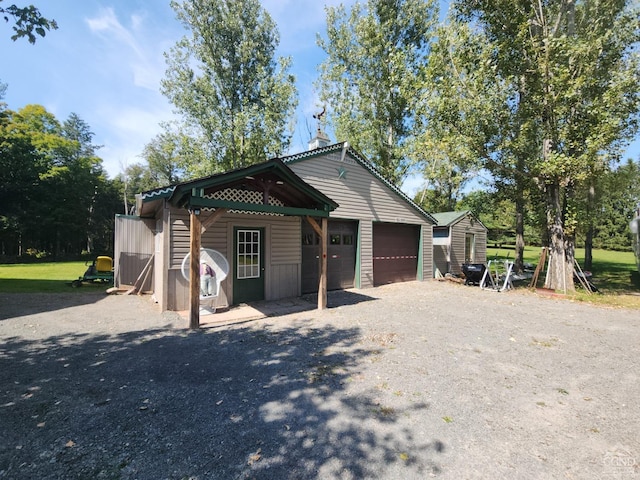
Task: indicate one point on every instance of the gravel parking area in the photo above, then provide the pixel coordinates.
(406, 381)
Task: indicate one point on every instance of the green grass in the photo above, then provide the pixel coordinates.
(614, 273)
(51, 277)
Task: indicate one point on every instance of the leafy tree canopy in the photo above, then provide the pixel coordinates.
(371, 77)
(28, 22)
(54, 195)
(568, 70)
(236, 99)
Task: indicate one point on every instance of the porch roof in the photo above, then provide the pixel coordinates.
(269, 188)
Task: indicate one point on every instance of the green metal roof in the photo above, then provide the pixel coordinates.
(447, 219)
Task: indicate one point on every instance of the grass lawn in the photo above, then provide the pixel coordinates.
(51, 277)
(614, 273)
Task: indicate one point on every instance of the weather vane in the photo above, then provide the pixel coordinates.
(318, 116)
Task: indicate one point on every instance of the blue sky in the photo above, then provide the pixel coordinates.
(105, 63)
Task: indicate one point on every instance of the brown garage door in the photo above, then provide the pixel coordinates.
(395, 252)
(341, 259)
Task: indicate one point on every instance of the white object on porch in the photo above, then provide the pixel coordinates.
(220, 267)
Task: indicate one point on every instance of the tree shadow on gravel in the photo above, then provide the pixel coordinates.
(340, 298)
(256, 401)
(22, 304)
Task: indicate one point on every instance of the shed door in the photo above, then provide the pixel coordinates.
(395, 252)
(469, 248)
(341, 256)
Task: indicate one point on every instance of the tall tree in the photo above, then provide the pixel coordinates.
(371, 76)
(616, 197)
(469, 119)
(573, 70)
(50, 184)
(77, 130)
(21, 164)
(458, 115)
(68, 189)
(84, 173)
(164, 158)
(226, 82)
(28, 22)
(136, 178)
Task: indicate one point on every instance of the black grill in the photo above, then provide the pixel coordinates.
(473, 273)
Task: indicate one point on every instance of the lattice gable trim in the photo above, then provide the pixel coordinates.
(244, 196)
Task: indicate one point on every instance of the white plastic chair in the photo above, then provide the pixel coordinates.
(220, 266)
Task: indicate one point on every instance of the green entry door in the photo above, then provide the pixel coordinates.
(248, 279)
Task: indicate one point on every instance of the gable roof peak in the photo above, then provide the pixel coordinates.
(345, 147)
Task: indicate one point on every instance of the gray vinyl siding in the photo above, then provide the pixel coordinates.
(365, 239)
(160, 271)
(286, 241)
(427, 251)
(283, 253)
(458, 231)
(440, 258)
(179, 245)
(481, 246)
(284, 279)
(213, 237)
(359, 193)
(457, 249)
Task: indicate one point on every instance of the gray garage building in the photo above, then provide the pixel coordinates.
(376, 234)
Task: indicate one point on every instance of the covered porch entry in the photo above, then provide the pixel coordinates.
(254, 197)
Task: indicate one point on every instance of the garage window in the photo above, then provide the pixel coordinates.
(310, 239)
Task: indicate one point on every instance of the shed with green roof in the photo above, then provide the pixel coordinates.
(458, 238)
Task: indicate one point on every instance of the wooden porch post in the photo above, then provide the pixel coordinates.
(194, 275)
(322, 289)
(322, 231)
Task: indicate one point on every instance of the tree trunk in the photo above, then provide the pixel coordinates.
(560, 275)
(588, 241)
(588, 249)
(519, 260)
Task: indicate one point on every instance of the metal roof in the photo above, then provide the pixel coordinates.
(447, 219)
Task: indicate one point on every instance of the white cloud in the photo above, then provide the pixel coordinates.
(137, 122)
(131, 128)
(130, 108)
(107, 23)
(135, 48)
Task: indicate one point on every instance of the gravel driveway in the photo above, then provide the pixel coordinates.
(406, 381)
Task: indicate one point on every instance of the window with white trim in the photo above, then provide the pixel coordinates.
(248, 254)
